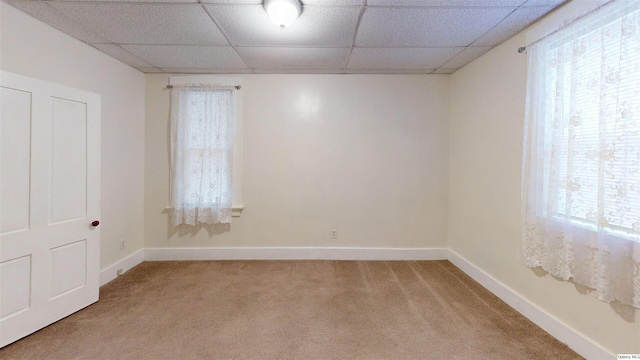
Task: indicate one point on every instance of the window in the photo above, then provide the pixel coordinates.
(591, 131)
(204, 159)
(581, 164)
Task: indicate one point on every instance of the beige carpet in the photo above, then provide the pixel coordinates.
(293, 310)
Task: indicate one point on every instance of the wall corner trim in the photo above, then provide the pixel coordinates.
(295, 253)
(575, 340)
(111, 272)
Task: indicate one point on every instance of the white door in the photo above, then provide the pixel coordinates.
(49, 197)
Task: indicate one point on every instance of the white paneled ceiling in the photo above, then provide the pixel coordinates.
(330, 36)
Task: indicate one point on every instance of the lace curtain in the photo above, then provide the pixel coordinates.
(202, 128)
(581, 170)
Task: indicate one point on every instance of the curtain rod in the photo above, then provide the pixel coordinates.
(523, 48)
(238, 87)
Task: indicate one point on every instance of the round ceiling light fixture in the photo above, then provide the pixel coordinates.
(283, 12)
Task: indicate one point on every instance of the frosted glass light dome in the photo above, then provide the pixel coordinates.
(283, 12)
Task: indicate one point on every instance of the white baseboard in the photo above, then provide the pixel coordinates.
(125, 264)
(576, 341)
(294, 253)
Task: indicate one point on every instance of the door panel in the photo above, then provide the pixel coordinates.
(15, 150)
(15, 298)
(68, 160)
(50, 194)
(68, 268)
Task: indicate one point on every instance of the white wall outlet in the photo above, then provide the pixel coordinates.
(123, 244)
(334, 233)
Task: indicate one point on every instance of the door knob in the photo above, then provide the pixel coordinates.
(95, 223)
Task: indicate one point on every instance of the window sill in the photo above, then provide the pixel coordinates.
(235, 211)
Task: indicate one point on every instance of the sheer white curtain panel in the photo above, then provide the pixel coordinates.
(202, 132)
(581, 163)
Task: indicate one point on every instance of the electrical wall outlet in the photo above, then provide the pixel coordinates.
(123, 244)
(334, 233)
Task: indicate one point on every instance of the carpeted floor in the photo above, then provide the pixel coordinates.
(293, 310)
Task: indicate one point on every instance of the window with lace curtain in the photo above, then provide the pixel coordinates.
(581, 164)
(203, 133)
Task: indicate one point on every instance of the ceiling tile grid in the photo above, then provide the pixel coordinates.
(330, 36)
(116, 51)
(513, 24)
(48, 14)
(148, 23)
(188, 56)
(291, 58)
(400, 58)
(465, 56)
(446, 3)
(426, 27)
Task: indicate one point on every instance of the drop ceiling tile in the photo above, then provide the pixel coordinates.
(194, 57)
(47, 14)
(444, 71)
(400, 58)
(293, 58)
(139, 1)
(121, 54)
(137, 23)
(299, 71)
(447, 3)
(332, 2)
(204, 71)
(303, 2)
(253, 2)
(393, 71)
(149, 70)
(512, 25)
(544, 2)
(249, 25)
(426, 27)
(465, 56)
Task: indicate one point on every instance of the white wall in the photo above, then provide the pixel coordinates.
(364, 154)
(31, 48)
(487, 112)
